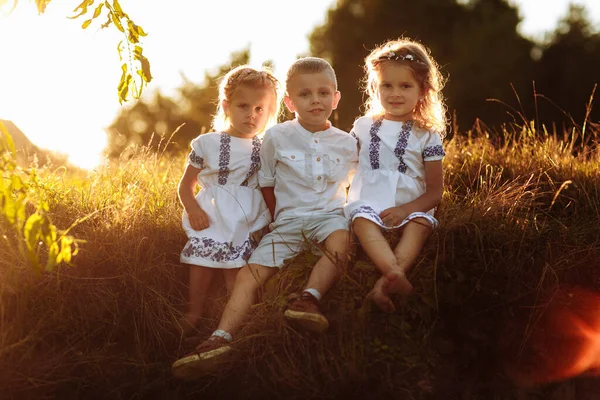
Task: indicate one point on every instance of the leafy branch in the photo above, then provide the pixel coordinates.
(135, 66)
(24, 213)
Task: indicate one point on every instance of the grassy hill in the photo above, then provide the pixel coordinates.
(28, 153)
(519, 224)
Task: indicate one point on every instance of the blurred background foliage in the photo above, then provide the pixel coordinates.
(495, 75)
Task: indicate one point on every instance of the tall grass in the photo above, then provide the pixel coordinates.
(519, 216)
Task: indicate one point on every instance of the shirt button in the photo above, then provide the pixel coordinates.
(293, 156)
(316, 141)
(338, 160)
(318, 158)
(318, 178)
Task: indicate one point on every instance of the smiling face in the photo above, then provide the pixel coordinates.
(398, 91)
(249, 110)
(312, 97)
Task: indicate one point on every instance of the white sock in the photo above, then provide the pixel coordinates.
(314, 292)
(223, 334)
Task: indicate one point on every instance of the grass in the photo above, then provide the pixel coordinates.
(519, 218)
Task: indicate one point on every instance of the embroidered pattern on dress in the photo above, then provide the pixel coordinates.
(433, 151)
(211, 249)
(402, 143)
(254, 160)
(366, 210)
(375, 143)
(224, 156)
(196, 159)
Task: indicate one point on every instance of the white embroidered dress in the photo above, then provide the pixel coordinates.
(391, 169)
(231, 198)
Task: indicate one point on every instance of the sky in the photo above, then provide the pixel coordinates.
(58, 82)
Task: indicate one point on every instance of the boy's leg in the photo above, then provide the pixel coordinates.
(229, 275)
(329, 268)
(332, 231)
(243, 296)
(199, 285)
(305, 309)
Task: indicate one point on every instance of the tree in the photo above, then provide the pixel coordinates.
(135, 66)
(160, 116)
(476, 43)
(567, 71)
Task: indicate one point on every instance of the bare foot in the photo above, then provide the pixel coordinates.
(397, 283)
(394, 282)
(379, 295)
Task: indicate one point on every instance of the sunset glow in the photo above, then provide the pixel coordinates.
(563, 343)
(58, 82)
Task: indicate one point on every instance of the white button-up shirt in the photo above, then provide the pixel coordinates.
(310, 171)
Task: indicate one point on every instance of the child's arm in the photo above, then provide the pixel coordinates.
(187, 185)
(269, 196)
(434, 181)
(266, 174)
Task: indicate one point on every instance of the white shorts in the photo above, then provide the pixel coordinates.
(289, 237)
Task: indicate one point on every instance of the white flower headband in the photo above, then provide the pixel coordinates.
(393, 56)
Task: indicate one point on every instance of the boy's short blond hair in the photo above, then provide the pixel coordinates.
(310, 65)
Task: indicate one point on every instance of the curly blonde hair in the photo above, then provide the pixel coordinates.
(430, 113)
(251, 77)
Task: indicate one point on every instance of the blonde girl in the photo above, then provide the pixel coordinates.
(399, 180)
(222, 219)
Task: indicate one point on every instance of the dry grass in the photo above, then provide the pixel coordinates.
(519, 216)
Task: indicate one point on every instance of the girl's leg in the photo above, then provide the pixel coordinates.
(414, 235)
(411, 242)
(229, 276)
(199, 285)
(393, 278)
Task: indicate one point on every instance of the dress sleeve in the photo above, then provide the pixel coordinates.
(266, 175)
(432, 148)
(196, 157)
(353, 134)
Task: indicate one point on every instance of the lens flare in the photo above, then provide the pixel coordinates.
(560, 341)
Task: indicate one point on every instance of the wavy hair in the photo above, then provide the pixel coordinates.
(253, 78)
(430, 113)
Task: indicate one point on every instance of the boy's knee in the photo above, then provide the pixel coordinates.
(338, 240)
(252, 275)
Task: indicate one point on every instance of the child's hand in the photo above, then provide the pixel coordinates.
(393, 216)
(198, 219)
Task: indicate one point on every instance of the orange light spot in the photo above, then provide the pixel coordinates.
(563, 343)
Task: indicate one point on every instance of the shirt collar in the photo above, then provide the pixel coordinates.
(305, 131)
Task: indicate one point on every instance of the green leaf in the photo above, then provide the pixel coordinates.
(117, 6)
(7, 139)
(98, 10)
(139, 30)
(83, 7)
(32, 231)
(124, 85)
(117, 22)
(41, 5)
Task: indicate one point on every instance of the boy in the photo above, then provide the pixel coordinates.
(305, 169)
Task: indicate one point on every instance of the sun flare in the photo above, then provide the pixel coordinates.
(50, 80)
